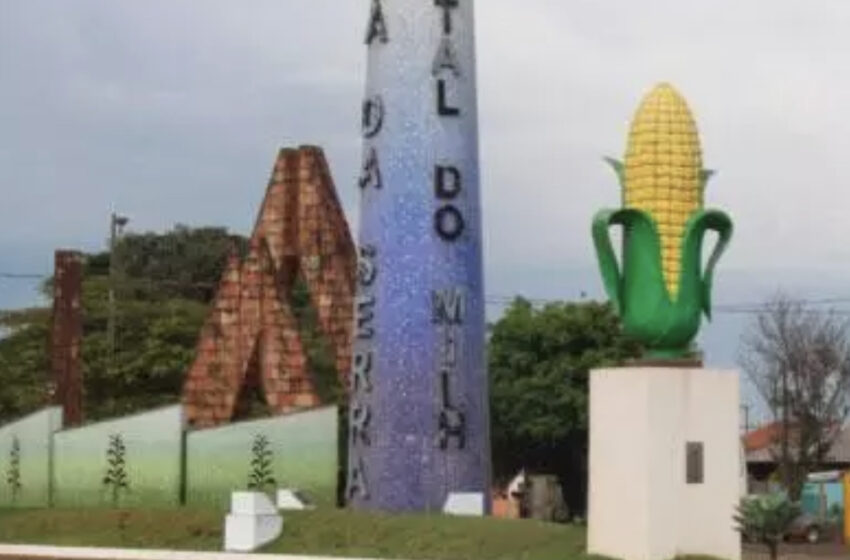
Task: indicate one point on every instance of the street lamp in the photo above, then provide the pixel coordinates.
(116, 227)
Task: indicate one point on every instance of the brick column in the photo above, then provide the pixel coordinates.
(66, 336)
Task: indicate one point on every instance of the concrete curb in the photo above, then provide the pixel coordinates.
(63, 552)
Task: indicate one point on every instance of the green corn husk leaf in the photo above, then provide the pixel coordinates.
(638, 292)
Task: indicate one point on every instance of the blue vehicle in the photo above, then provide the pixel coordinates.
(822, 508)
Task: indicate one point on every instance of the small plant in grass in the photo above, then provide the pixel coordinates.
(262, 457)
(766, 519)
(116, 478)
(123, 517)
(13, 472)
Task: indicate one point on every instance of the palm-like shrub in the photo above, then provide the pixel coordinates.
(116, 477)
(13, 473)
(262, 463)
(766, 519)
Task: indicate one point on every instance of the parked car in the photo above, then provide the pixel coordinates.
(811, 529)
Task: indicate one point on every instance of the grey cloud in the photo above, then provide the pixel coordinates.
(172, 110)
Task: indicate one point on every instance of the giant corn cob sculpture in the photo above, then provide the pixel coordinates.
(662, 290)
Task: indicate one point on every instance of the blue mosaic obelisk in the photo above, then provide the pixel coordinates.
(419, 422)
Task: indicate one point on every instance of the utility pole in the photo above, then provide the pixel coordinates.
(786, 452)
(116, 224)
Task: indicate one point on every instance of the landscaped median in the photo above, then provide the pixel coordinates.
(314, 533)
(154, 534)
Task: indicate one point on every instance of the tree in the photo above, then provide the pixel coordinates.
(184, 263)
(539, 362)
(798, 358)
(24, 363)
(164, 285)
(765, 519)
(155, 344)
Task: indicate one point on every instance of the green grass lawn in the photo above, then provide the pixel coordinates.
(327, 532)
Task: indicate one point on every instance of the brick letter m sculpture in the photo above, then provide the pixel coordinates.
(251, 336)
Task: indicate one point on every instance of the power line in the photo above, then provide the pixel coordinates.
(22, 276)
(737, 308)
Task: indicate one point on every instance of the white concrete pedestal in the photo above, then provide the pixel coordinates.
(470, 504)
(289, 499)
(252, 522)
(641, 506)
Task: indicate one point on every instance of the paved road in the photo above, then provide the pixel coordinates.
(751, 552)
(800, 552)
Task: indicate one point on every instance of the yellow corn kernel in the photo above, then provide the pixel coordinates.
(662, 167)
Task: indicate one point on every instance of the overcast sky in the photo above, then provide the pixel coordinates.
(173, 110)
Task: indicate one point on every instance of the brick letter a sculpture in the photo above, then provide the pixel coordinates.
(251, 337)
